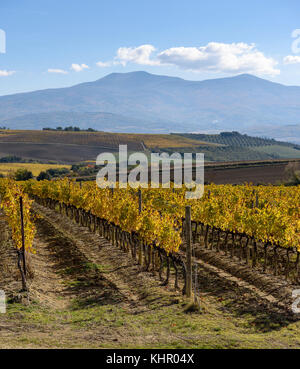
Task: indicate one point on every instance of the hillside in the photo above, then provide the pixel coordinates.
(143, 102)
(233, 146)
(72, 147)
(233, 139)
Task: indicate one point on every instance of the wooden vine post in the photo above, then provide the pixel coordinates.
(140, 201)
(188, 235)
(23, 234)
(22, 252)
(140, 256)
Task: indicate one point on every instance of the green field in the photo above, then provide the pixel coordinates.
(278, 151)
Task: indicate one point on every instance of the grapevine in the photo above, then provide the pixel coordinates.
(270, 214)
(10, 194)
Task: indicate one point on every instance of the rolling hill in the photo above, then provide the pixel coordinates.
(72, 147)
(233, 146)
(143, 102)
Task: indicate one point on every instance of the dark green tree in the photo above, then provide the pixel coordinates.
(23, 175)
(43, 175)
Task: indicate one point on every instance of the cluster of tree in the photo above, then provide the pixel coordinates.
(53, 173)
(11, 159)
(229, 134)
(69, 129)
(17, 159)
(84, 170)
(24, 174)
(77, 170)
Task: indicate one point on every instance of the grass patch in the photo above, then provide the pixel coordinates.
(160, 327)
(97, 267)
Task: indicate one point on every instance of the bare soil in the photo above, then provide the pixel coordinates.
(263, 174)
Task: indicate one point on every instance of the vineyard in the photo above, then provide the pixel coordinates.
(234, 139)
(154, 218)
(263, 213)
(17, 206)
(233, 146)
(100, 139)
(248, 232)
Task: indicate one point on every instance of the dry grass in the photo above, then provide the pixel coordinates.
(166, 141)
(101, 138)
(70, 138)
(10, 168)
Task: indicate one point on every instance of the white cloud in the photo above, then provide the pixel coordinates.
(219, 57)
(214, 57)
(79, 67)
(58, 71)
(139, 55)
(291, 59)
(6, 73)
(103, 64)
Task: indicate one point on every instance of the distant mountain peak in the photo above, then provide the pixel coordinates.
(247, 76)
(141, 101)
(137, 75)
(134, 73)
(146, 77)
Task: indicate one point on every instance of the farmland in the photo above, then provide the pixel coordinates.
(73, 147)
(89, 286)
(149, 181)
(101, 272)
(105, 139)
(86, 296)
(8, 169)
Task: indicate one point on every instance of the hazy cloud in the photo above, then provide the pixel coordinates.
(103, 64)
(291, 59)
(58, 71)
(139, 55)
(79, 67)
(2, 42)
(6, 73)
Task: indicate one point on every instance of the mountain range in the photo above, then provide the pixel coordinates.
(143, 102)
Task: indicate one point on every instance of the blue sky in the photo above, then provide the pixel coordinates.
(59, 43)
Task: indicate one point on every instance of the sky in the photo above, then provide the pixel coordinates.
(59, 43)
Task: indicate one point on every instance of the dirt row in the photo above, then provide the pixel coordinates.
(118, 269)
(224, 275)
(84, 292)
